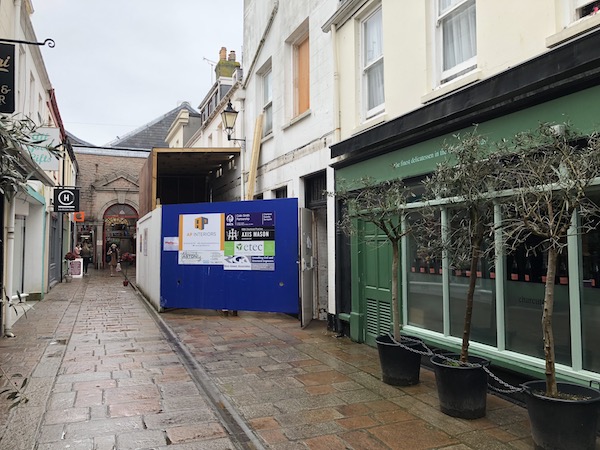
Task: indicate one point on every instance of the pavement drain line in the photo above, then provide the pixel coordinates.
(235, 424)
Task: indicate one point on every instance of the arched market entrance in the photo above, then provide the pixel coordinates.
(119, 227)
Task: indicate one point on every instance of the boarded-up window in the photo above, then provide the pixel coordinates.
(302, 76)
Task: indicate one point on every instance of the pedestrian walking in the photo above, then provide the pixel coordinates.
(114, 258)
(86, 254)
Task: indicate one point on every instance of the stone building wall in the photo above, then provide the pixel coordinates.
(106, 180)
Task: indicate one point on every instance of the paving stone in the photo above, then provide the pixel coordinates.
(165, 420)
(182, 403)
(258, 410)
(141, 439)
(67, 415)
(62, 400)
(307, 417)
(178, 389)
(51, 433)
(415, 435)
(79, 444)
(118, 383)
(313, 429)
(105, 443)
(211, 444)
(135, 408)
(329, 442)
(358, 396)
(100, 427)
(327, 377)
(124, 394)
(189, 433)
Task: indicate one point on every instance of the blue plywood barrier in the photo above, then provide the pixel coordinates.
(232, 255)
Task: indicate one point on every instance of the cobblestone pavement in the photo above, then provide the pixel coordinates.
(107, 372)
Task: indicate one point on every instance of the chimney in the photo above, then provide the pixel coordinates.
(226, 65)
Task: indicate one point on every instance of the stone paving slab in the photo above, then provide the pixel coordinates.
(333, 398)
(104, 375)
(101, 376)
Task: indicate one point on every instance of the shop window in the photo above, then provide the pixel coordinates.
(590, 296)
(524, 299)
(483, 321)
(424, 277)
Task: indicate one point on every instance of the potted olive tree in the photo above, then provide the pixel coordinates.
(460, 186)
(547, 181)
(382, 204)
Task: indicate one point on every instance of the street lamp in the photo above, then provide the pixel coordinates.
(228, 117)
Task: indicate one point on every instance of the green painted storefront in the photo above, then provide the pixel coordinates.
(507, 328)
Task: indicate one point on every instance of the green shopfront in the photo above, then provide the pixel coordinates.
(560, 86)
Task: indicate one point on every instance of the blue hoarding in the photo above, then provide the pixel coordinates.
(240, 256)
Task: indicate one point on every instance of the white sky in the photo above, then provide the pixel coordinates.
(119, 64)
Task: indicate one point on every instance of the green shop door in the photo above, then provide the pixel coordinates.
(375, 262)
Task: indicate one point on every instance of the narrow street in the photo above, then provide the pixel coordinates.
(107, 372)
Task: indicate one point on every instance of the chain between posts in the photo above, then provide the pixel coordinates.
(510, 389)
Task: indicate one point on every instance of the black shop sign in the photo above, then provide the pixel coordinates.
(7, 78)
(66, 200)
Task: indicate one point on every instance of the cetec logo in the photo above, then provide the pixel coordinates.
(250, 247)
(200, 222)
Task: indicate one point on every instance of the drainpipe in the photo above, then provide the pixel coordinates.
(10, 222)
(8, 273)
(261, 43)
(336, 87)
(334, 301)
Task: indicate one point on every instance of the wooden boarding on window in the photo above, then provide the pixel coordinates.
(255, 155)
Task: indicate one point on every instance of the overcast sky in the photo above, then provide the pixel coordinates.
(119, 64)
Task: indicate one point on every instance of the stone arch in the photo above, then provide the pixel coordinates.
(119, 222)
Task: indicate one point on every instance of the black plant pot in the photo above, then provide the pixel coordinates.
(399, 366)
(462, 390)
(561, 424)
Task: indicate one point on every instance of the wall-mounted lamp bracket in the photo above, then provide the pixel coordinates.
(49, 42)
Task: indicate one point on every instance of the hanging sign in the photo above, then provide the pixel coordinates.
(66, 200)
(7, 78)
(39, 153)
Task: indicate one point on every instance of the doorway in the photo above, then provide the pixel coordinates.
(119, 228)
(316, 201)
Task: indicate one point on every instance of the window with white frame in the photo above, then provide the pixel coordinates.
(457, 37)
(372, 64)
(267, 101)
(585, 8)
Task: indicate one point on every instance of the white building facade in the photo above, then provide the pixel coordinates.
(286, 100)
(35, 237)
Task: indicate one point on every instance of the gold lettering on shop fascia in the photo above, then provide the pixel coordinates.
(5, 64)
